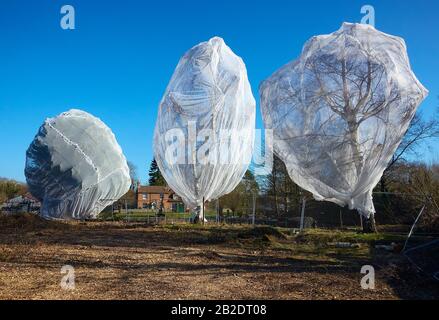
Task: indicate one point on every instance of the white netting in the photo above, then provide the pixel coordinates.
(209, 108)
(339, 112)
(75, 166)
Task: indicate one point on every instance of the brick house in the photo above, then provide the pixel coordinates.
(149, 197)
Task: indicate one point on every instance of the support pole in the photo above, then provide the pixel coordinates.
(254, 210)
(202, 211)
(302, 215)
(413, 227)
(217, 211)
(341, 219)
(361, 221)
(126, 209)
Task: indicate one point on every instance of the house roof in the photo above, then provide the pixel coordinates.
(28, 195)
(155, 189)
(21, 199)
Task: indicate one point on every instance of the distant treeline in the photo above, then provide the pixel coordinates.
(10, 189)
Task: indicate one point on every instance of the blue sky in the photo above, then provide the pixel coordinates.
(117, 62)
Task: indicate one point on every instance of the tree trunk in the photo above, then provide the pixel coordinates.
(274, 173)
(383, 183)
(355, 146)
(369, 224)
(198, 216)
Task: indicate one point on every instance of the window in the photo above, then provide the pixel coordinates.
(144, 196)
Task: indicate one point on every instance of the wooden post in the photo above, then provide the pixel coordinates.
(341, 219)
(254, 210)
(302, 215)
(126, 209)
(361, 222)
(202, 211)
(217, 211)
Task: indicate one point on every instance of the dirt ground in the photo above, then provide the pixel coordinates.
(116, 260)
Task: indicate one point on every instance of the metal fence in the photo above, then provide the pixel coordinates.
(250, 209)
(285, 210)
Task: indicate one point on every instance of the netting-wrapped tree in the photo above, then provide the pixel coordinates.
(203, 139)
(75, 167)
(339, 112)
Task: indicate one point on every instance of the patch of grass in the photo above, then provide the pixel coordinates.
(315, 244)
(326, 236)
(265, 232)
(233, 235)
(145, 215)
